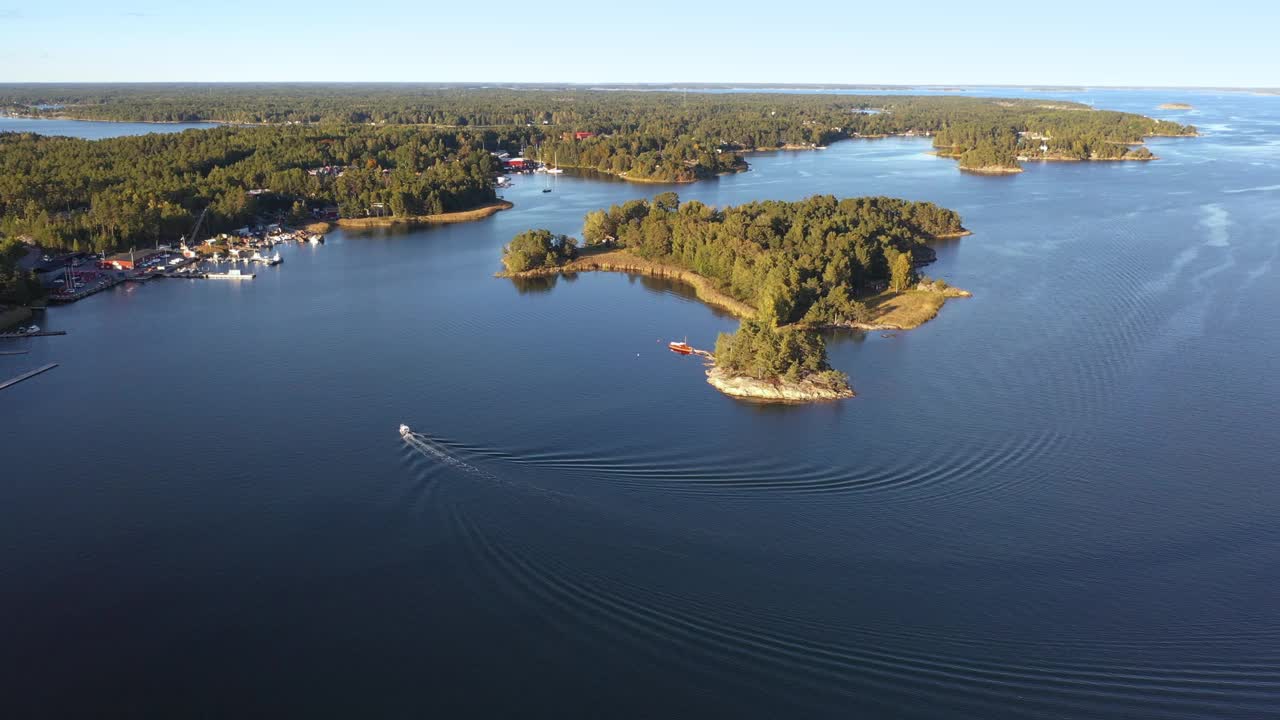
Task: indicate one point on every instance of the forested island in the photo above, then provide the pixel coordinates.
(640, 136)
(113, 194)
(786, 268)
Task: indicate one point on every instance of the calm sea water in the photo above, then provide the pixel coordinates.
(93, 129)
(1055, 500)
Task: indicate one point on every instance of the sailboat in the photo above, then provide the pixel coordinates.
(553, 169)
(542, 168)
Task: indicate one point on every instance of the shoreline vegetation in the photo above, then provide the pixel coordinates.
(786, 270)
(607, 259)
(666, 136)
(301, 151)
(889, 310)
(458, 216)
(72, 118)
(131, 191)
(11, 316)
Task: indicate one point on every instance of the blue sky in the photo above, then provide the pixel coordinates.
(1228, 43)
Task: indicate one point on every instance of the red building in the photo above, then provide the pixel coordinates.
(128, 260)
(517, 164)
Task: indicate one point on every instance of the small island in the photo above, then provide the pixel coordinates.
(763, 362)
(1176, 106)
(787, 269)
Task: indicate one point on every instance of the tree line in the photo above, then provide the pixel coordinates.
(796, 262)
(16, 286)
(112, 194)
(662, 136)
(761, 350)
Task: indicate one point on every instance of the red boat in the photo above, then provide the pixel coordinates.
(680, 347)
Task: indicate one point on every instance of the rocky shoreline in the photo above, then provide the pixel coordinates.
(992, 170)
(779, 391)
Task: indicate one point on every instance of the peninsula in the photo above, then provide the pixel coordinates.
(1176, 106)
(137, 191)
(786, 268)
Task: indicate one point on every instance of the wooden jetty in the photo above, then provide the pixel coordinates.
(14, 352)
(42, 333)
(26, 376)
(62, 298)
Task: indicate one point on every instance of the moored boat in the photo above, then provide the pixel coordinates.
(680, 347)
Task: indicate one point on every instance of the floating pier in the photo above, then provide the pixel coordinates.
(26, 376)
(42, 333)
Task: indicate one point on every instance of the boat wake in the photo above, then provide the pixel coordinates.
(428, 448)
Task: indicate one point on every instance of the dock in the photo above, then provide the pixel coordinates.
(14, 352)
(42, 333)
(26, 376)
(62, 298)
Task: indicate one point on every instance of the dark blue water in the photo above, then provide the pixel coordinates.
(93, 129)
(1055, 500)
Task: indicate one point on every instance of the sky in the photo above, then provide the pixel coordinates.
(1230, 43)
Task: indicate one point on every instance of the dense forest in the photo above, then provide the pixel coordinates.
(1095, 135)
(534, 249)
(798, 263)
(106, 195)
(16, 287)
(662, 136)
(764, 351)
(802, 262)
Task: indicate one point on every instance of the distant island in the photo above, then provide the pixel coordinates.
(640, 136)
(1094, 136)
(1176, 106)
(787, 268)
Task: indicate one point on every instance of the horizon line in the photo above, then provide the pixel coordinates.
(665, 84)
